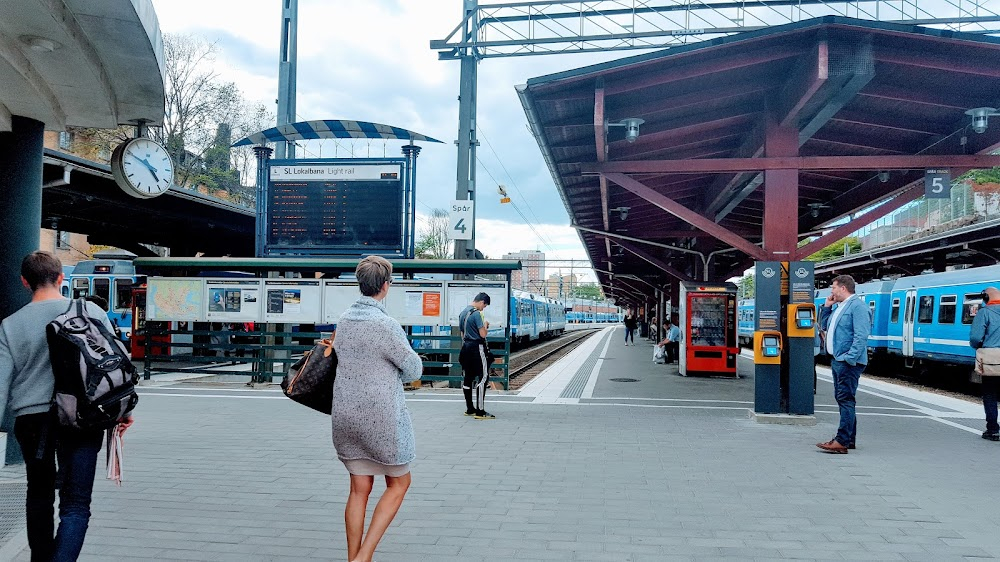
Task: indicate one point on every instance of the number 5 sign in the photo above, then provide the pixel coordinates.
(937, 184)
(460, 222)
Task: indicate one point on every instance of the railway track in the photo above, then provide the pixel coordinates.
(524, 365)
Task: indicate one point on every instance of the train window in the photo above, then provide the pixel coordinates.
(81, 288)
(925, 314)
(895, 311)
(102, 288)
(946, 310)
(123, 294)
(970, 306)
(871, 308)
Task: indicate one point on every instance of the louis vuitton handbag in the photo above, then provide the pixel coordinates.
(310, 380)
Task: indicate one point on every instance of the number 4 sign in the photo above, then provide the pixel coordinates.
(461, 217)
(937, 184)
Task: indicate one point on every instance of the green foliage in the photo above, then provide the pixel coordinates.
(745, 286)
(590, 291)
(991, 175)
(836, 250)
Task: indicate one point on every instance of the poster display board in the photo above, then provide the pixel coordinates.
(233, 300)
(416, 303)
(337, 297)
(295, 301)
(175, 298)
(461, 293)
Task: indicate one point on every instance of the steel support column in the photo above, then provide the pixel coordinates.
(287, 73)
(781, 193)
(465, 186)
(21, 206)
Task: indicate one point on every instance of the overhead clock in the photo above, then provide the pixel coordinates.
(142, 168)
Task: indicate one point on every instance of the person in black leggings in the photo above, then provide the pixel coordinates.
(630, 327)
(474, 356)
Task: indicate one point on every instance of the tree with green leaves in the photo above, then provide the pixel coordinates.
(433, 241)
(590, 291)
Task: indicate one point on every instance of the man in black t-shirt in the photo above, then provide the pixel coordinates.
(473, 357)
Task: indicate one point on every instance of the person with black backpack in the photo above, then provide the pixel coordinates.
(27, 386)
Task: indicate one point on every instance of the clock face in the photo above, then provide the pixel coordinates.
(142, 168)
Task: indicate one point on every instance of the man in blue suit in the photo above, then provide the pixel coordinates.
(847, 323)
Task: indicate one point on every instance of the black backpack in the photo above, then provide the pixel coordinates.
(94, 378)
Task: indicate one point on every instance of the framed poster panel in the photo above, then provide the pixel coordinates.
(175, 298)
(337, 297)
(294, 301)
(233, 300)
(416, 303)
(459, 294)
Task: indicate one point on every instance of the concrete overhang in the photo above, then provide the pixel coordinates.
(80, 63)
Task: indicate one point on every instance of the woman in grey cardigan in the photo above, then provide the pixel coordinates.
(372, 431)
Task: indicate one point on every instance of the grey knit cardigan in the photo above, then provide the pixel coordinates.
(370, 419)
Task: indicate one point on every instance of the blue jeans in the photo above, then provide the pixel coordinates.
(43, 441)
(629, 333)
(845, 387)
(990, 387)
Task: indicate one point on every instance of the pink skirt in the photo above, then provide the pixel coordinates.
(367, 467)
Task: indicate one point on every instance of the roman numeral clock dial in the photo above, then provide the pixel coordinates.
(142, 168)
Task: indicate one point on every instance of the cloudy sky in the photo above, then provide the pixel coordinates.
(371, 61)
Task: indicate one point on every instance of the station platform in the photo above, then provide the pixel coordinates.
(577, 466)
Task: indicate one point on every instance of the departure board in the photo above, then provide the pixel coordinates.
(335, 210)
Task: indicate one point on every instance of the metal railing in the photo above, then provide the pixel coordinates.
(925, 217)
(269, 354)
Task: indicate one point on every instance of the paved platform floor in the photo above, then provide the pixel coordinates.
(575, 467)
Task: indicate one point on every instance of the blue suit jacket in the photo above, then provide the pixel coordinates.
(850, 340)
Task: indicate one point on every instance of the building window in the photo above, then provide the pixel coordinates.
(62, 240)
(946, 310)
(65, 139)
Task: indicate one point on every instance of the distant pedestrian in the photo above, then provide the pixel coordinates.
(475, 356)
(630, 326)
(671, 341)
(984, 337)
(26, 379)
(372, 430)
(847, 325)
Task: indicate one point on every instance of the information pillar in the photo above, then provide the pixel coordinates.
(767, 338)
(784, 338)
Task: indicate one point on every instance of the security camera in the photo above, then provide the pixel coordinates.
(632, 128)
(622, 212)
(980, 118)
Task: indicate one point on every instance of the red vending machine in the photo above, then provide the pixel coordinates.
(708, 329)
(138, 340)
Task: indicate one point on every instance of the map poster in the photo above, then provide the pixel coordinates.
(175, 299)
(233, 300)
(294, 301)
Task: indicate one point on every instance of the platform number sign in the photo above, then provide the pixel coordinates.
(460, 219)
(937, 184)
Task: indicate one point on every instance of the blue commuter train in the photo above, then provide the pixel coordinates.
(918, 320)
(110, 276)
(577, 317)
(534, 317)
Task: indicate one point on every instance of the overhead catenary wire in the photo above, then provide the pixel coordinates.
(518, 210)
(548, 241)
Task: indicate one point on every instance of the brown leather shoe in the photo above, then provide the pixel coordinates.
(833, 447)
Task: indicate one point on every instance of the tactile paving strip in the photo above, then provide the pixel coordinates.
(575, 387)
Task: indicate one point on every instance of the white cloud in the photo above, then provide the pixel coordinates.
(372, 61)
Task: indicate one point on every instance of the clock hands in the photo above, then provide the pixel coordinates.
(149, 167)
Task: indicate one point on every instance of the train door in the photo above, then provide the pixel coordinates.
(909, 313)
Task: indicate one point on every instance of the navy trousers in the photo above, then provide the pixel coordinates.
(845, 387)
